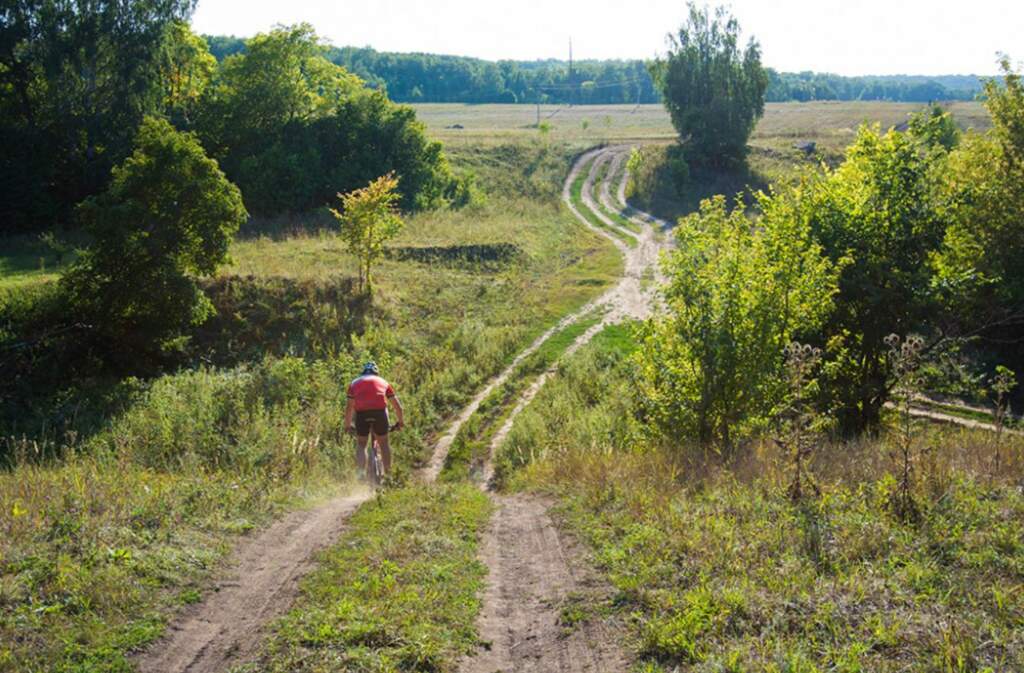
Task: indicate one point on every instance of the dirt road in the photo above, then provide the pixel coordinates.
(538, 575)
(228, 625)
(534, 568)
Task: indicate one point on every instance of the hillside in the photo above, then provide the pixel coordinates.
(299, 378)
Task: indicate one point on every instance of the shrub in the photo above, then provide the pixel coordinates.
(737, 293)
(169, 214)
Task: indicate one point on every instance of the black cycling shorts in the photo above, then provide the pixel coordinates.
(373, 419)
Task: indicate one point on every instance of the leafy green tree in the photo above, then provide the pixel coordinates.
(738, 292)
(369, 219)
(881, 210)
(186, 69)
(76, 78)
(292, 129)
(713, 91)
(979, 267)
(168, 215)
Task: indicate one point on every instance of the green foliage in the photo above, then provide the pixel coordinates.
(168, 214)
(440, 78)
(76, 78)
(368, 221)
(292, 129)
(880, 210)
(935, 127)
(713, 91)
(738, 291)
(186, 69)
(978, 267)
(400, 592)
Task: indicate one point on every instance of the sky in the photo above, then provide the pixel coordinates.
(876, 37)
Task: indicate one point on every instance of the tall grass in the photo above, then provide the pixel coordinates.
(719, 569)
(108, 527)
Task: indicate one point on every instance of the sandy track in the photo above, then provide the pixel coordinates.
(631, 298)
(228, 626)
(533, 565)
(534, 569)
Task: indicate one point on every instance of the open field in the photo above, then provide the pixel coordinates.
(829, 122)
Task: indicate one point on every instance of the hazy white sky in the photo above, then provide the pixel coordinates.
(843, 36)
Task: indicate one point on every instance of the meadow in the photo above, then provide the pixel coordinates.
(158, 477)
(716, 568)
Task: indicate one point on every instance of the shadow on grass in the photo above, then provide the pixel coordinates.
(704, 184)
(482, 255)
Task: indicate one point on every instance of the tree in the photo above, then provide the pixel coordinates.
(738, 292)
(979, 267)
(168, 215)
(76, 78)
(368, 220)
(293, 130)
(186, 69)
(713, 91)
(880, 209)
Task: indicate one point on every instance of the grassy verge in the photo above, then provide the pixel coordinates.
(85, 579)
(576, 194)
(471, 446)
(717, 570)
(400, 592)
(612, 214)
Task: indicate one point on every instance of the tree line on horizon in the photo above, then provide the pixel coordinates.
(438, 78)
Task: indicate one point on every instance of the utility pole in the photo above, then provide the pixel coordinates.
(572, 81)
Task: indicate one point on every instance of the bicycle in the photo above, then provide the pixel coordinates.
(374, 460)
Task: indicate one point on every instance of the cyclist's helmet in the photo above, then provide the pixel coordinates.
(371, 368)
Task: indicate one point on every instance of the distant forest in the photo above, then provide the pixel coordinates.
(433, 78)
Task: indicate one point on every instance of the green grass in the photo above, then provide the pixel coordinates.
(160, 485)
(471, 446)
(401, 591)
(24, 261)
(614, 215)
(576, 194)
(715, 569)
(94, 553)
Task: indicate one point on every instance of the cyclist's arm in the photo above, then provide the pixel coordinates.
(398, 409)
(350, 408)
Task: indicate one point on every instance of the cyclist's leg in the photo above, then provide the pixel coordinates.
(361, 462)
(385, 451)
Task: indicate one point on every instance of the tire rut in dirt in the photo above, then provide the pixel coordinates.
(534, 570)
(229, 625)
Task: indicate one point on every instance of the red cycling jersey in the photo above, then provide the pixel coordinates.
(370, 393)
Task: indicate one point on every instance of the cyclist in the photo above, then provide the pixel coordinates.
(368, 398)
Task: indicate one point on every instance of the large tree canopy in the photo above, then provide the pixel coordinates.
(292, 129)
(168, 215)
(76, 78)
(713, 91)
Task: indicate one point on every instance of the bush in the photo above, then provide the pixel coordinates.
(737, 294)
(169, 213)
